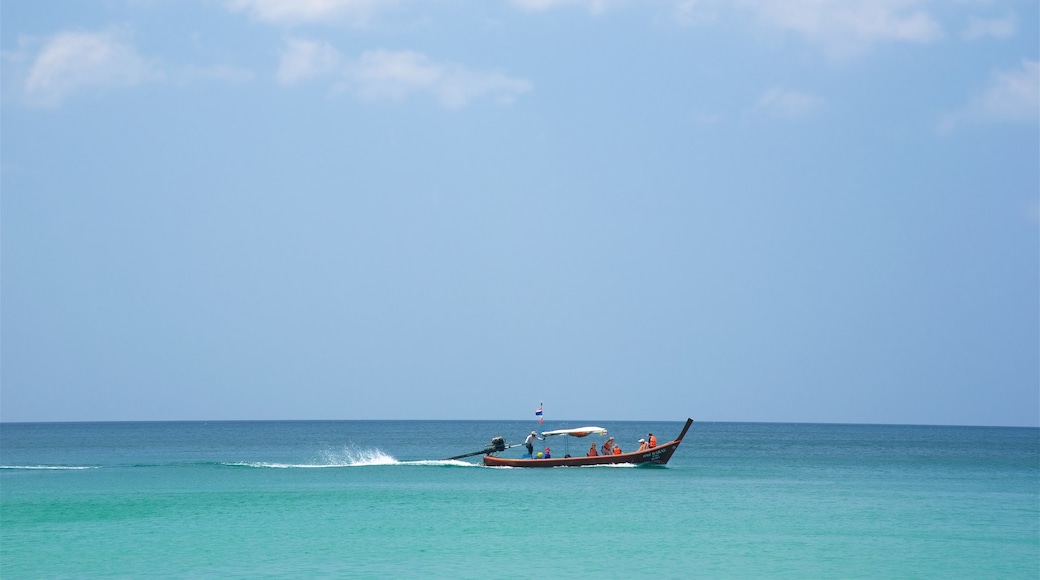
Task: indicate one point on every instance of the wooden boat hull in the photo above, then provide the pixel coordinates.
(657, 456)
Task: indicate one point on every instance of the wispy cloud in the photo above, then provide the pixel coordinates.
(50, 71)
(848, 27)
(307, 59)
(787, 103)
(395, 75)
(840, 28)
(71, 62)
(1012, 97)
(593, 6)
(978, 28)
(696, 12)
(311, 11)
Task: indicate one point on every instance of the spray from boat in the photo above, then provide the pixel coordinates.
(350, 456)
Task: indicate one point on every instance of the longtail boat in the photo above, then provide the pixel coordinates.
(656, 456)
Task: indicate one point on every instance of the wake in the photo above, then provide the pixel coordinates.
(49, 467)
(352, 457)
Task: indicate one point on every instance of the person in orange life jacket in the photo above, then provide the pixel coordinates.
(592, 450)
(652, 441)
(617, 450)
(547, 454)
(529, 442)
(608, 446)
(642, 445)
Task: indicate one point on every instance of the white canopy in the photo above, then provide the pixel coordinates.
(579, 432)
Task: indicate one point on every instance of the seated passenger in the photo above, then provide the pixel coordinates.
(642, 445)
(547, 454)
(617, 450)
(651, 441)
(592, 450)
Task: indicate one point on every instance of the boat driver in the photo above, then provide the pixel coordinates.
(529, 442)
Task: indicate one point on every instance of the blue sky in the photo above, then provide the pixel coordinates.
(774, 210)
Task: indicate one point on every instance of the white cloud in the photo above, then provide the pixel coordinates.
(310, 11)
(51, 70)
(593, 6)
(696, 12)
(71, 62)
(1012, 96)
(846, 27)
(787, 103)
(842, 28)
(306, 59)
(396, 75)
(991, 28)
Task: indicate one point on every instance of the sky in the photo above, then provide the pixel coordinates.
(732, 210)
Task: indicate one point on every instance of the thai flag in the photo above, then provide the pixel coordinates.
(539, 414)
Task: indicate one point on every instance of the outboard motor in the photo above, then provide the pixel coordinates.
(497, 444)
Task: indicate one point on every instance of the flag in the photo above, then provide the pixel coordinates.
(538, 413)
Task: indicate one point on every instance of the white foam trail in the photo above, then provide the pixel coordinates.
(352, 457)
(318, 465)
(50, 467)
(348, 457)
(440, 462)
(269, 465)
(259, 464)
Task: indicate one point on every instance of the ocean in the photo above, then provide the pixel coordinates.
(376, 499)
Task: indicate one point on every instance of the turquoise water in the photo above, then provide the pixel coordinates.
(374, 499)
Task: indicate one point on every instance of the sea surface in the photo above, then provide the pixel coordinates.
(376, 499)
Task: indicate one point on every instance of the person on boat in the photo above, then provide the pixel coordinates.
(529, 442)
(592, 450)
(617, 450)
(651, 441)
(642, 445)
(547, 454)
(608, 446)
